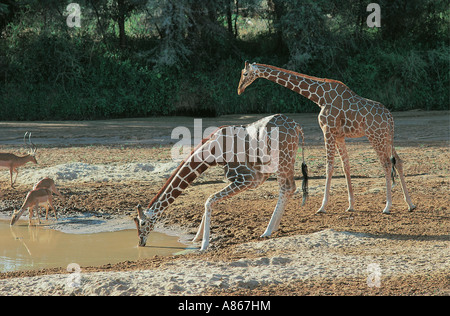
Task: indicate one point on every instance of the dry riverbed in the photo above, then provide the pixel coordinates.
(106, 168)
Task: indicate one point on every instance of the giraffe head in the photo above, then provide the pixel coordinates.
(144, 225)
(248, 75)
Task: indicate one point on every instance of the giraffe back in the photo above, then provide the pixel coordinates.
(268, 141)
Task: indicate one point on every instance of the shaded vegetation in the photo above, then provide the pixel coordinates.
(135, 58)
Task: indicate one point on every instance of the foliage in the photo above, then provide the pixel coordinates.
(161, 57)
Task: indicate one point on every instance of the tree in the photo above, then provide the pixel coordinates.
(121, 9)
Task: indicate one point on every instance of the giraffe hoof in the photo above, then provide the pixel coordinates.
(204, 246)
(321, 211)
(350, 209)
(386, 212)
(412, 208)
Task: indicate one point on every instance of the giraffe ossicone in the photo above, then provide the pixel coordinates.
(249, 155)
(343, 114)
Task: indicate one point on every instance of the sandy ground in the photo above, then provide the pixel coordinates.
(322, 255)
(108, 167)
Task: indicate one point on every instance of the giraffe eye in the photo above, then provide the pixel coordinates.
(245, 74)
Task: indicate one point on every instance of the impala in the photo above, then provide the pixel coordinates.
(12, 162)
(49, 184)
(34, 199)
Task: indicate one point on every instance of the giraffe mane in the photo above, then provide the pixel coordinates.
(302, 75)
(169, 180)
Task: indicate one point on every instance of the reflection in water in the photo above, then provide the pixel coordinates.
(24, 247)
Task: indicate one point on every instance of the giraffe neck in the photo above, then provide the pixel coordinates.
(175, 185)
(188, 170)
(312, 88)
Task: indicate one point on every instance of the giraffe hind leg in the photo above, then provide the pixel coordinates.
(399, 167)
(346, 166)
(380, 147)
(287, 188)
(330, 145)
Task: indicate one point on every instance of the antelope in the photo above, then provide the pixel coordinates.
(34, 199)
(49, 184)
(12, 162)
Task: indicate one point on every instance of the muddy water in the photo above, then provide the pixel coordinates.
(35, 247)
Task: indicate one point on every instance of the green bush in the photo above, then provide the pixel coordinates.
(52, 77)
(185, 58)
(402, 79)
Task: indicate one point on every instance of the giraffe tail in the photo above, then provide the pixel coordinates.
(391, 127)
(304, 170)
(393, 173)
(304, 182)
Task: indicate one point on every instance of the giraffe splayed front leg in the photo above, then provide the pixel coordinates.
(242, 177)
(204, 229)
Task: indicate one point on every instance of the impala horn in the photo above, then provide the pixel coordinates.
(33, 147)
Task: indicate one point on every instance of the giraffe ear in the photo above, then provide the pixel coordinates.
(140, 212)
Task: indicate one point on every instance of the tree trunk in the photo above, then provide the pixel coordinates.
(277, 8)
(235, 19)
(121, 22)
(229, 17)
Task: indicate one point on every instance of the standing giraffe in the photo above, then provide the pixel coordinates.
(343, 114)
(249, 155)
